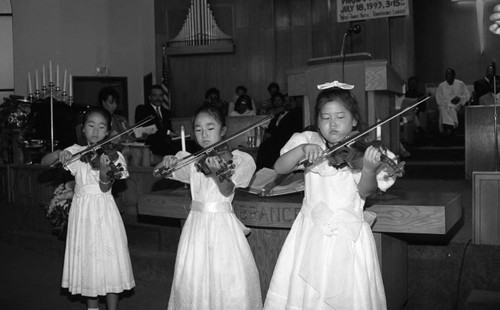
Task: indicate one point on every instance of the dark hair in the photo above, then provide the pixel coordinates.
(273, 85)
(156, 86)
(277, 95)
(210, 91)
(106, 92)
(212, 110)
(97, 110)
(244, 99)
(243, 88)
(343, 96)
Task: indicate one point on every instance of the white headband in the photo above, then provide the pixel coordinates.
(335, 84)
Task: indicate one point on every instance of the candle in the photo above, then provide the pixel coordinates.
(379, 131)
(43, 76)
(57, 75)
(64, 80)
(70, 85)
(183, 138)
(30, 91)
(36, 80)
(50, 71)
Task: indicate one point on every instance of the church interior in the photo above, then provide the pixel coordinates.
(438, 227)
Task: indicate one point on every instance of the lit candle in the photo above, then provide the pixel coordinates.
(36, 79)
(30, 91)
(50, 71)
(70, 85)
(57, 75)
(379, 131)
(43, 76)
(64, 80)
(183, 138)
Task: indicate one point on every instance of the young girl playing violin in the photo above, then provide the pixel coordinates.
(214, 268)
(96, 260)
(329, 259)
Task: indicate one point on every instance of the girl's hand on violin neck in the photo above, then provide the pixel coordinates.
(311, 152)
(104, 162)
(371, 159)
(167, 162)
(64, 156)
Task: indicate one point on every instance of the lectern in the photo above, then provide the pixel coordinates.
(376, 85)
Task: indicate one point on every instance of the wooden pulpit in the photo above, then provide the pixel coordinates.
(376, 85)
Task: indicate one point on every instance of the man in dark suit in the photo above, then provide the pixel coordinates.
(280, 129)
(484, 85)
(160, 142)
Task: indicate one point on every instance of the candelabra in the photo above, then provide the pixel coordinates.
(51, 91)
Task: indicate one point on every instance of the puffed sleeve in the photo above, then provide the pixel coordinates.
(121, 163)
(297, 139)
(244, 169)
(183, 174)
(75, 165)
(384, 179)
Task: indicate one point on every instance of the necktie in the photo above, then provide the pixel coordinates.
(158, 111)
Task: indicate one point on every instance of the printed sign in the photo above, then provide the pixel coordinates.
(350, 10)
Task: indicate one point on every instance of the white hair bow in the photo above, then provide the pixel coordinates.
(335, 84)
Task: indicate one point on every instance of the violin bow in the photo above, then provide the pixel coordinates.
(350, 140)
(196, 156)
(95, 147)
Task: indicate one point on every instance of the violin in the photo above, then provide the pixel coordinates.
(345, 151)
(225, 159)
(94, 148)
(352, 155)
(216, 149)
(93, 158)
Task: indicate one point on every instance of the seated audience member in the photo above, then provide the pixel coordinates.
(273, 88)
(484, 85)
(160, 142)
(451, 96)
(277, 104)
(279, 131)
(243, 106)
(490, 98)
(108, 98)
(212, 96)
(240, 90)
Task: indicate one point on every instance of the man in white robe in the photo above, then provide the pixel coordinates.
(451, 96)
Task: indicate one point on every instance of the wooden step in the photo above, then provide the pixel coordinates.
(483, 300)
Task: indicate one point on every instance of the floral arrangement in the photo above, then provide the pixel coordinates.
(15, 114)
(58, 208)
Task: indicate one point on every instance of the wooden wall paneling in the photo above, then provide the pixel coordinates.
(402, 47)
(376, 36)
(301, 40)
(479, 139)
(326, 35)
(4, 184)
(485, 208)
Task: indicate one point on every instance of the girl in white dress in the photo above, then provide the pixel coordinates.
(96, 259)
(214, 268)
(329, 259)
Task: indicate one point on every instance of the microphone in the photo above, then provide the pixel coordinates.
(353, 29)
(494, 66)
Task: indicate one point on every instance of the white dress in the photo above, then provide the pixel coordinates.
(96, 259)
(214, 268)
(329, 259)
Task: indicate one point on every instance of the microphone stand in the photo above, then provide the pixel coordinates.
(495, 117)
